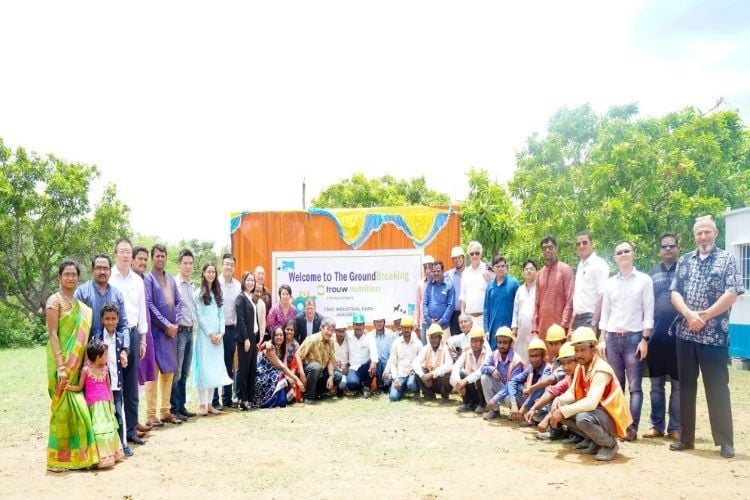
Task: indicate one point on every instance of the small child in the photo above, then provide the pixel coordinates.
(117, 343)
(95, 383)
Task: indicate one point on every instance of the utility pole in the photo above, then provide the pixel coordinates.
(303, 194)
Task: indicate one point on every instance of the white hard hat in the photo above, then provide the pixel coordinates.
(427, 259)
(457, 252)
(379, 314)
(341, 324)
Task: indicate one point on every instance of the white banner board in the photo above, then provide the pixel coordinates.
(345, 282)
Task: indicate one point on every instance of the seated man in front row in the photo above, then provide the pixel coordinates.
(594, 405)
(317, 356)
(341, 355)
(466, 372)
(498, 370)
(524, 386)
(433, 365)
(403, 353)
(539, 412)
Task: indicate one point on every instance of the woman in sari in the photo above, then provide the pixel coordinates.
(273, 377)
(523, 310)
(292, 360)
(71, 443)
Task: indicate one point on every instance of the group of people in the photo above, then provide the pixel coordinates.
(531, 347)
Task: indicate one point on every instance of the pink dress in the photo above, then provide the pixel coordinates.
(99, 400)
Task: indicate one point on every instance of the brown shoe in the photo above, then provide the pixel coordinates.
(674, 435)
(154, 422)
(140, 434)
(142, 428)
(653, 433)
(171, 419)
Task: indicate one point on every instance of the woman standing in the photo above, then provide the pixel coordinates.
(283, 311)
(247, 335)
(210, 371)
(273, 375)
(71, 443)
(523, 310)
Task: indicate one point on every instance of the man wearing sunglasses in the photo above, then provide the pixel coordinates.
(662, 350)
(706, 286)
(626, 325)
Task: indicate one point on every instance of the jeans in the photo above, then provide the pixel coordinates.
(359, 377)
(184, 360)
(117, 395)
(316, 384)
(130, 383)
(339, 380)
(658, 403)
(407, 384)
(382, 384)
(229, 346)
(623, 358)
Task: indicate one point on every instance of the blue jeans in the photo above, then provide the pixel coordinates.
(184, 360)
(382, 384)
(658, 403)
(339, 376)
(359, 377)
(407, 384)
(119, 409)
(623, 358)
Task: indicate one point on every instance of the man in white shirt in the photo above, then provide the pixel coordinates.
(341, 352)
(403, 352)
(230, 290)
(383, 338)
(474, 280)
(433, 366)
(466, 373)
(363, 357)
(188, 321)
(626, 324)
(591, 279)
(130, 286)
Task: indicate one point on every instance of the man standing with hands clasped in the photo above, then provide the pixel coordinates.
(705, 287)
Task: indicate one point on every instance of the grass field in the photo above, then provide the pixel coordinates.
(355, 447)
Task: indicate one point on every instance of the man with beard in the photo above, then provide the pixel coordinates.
(497, 371)
(466, 373)
(554, 291)
(433, 366)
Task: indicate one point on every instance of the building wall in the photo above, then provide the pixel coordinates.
(738, 232)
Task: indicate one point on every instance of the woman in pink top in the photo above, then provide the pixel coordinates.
(283, 311)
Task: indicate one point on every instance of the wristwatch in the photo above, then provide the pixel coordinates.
(646, 338)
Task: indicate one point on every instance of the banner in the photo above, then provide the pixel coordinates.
(345, 282)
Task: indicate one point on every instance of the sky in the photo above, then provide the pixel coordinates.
(198, 109)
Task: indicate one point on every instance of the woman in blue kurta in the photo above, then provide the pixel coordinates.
(210, 371)
(498, 299)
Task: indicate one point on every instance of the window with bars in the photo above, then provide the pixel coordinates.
(745, 265)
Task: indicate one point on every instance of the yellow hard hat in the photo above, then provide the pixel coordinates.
(504, 331)
(434, 329)
(477, 333)
(583, 334)
(537, 344)
(407, 321)
(566, 351)
(555, 333)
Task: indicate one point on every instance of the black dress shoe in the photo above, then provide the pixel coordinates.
(230, 404)
(680, 446)
(187, 413)
(136, 440)
(727, 451)
(180, 416)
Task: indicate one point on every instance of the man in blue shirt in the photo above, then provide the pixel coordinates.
(499, 298)
(438, 301)
(383, 341)
(497, 371)
(521, 383)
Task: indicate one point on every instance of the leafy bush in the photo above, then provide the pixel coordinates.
(17, 331)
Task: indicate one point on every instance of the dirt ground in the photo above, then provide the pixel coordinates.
(365, 448)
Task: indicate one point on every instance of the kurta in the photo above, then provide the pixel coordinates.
(554, 298)
(209, 371)
(161, 314)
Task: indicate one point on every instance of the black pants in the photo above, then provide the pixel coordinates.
(440, 384)
(712, 362)
(474, 395)
(248, 364)
(229, 344)
(455, 328)
(130, 383)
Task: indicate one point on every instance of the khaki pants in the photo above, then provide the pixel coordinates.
(164, 382)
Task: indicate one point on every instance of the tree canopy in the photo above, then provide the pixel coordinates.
(386, 191)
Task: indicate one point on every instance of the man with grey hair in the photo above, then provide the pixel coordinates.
(474, 280)
(307, 322)
(706, 285)
(265, 293)
(317, 353)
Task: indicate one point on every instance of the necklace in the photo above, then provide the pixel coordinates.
(66, 302)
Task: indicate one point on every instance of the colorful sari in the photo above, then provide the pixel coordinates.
(71, 443)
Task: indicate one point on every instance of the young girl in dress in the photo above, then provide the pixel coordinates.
(95, 383)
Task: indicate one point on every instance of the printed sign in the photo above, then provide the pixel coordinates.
(345, 282)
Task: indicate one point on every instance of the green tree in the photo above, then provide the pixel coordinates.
(488, 214)
(202, 250)
(386, 191)
(620, 176)
(45, 216)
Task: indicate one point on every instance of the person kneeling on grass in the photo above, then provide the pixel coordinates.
(433, 366)
(539, 413)
(498, 370)
(317, 356)
(524, 384)
(594, 404)
(466, 372)
(403, 352)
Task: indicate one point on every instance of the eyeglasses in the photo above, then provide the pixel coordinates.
(499, 266)
(548, 247)
(668, 247)
(581, 243)
(529, 270)
(623, 252)
(473, 254)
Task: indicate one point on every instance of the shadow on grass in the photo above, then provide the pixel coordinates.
(570, 455)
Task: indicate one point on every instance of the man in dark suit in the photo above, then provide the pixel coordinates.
(308, 322)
